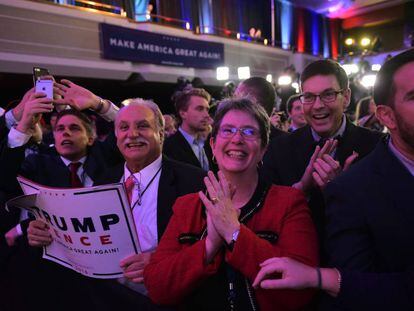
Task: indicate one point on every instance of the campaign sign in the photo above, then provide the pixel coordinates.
(92, 228)
(146, 47)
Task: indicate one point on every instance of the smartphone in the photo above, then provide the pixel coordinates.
(45, 86)
(38, 73)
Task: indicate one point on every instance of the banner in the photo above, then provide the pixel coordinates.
(146, 47)
(92, 228)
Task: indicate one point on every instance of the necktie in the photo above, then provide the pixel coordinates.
(201, 155)
(129, 187)
(75, 181)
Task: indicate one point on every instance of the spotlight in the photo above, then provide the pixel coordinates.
(243, 72)
(284, 80)
(222, 73)
(269, 78)
(350, 68)
(187, 25)
(349, 41)
(126, 102)
(295, 85)
(376, 67)
(365, 41)
(238, 36)
(265, 42)
(206, 29)
(368, 80)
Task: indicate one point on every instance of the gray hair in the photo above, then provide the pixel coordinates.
(160, 122)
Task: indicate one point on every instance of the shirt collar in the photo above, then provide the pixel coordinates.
(144, 175)
(190, 138)
(409, 164)
(339, 132)
(67, 162)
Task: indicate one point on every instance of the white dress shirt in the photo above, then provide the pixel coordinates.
(145, 215)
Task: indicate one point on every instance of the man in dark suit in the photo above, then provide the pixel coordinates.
(189, 143)
(153, 182)
(370, 214)
(74, 144)
(370, 208)
(74, 137)
(157, 182)
(293, 160)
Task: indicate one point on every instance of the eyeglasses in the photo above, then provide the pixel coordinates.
(248, 133)
(326, 97)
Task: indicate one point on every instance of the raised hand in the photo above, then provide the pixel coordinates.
(76, 96)
(134, 265)
(32, 112)
(18, 110)
(220, 207)
(326, 169)
(38, 233)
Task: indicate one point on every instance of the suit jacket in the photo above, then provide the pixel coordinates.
(177, 179)
(177, 274)
(3, 127)
(33, 275)
(370, 217)
(177, 147)
(288, 156)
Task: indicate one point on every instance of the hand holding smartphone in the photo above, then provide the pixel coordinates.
(46, 87)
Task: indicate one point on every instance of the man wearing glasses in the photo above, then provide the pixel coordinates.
(312, 156)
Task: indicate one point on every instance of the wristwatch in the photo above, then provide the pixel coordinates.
(234, 237)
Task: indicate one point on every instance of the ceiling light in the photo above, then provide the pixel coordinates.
(365, 41)
(284, 80)
(269, 78)
(368, 81)
(350, 68)
(376, 67)
(349, 41)
(243, 72)
(222, 73)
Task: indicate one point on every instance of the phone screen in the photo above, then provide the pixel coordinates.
(39, 72)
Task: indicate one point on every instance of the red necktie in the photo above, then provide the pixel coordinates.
(75, 182)
(129, 187)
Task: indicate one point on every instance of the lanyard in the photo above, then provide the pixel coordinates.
(141, 194)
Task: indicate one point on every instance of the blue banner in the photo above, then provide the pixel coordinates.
(147, 47)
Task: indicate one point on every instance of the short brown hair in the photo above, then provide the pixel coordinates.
(325, 67)
(85, 120)
(182, 99)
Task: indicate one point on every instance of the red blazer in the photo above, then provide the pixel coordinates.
(176, 269)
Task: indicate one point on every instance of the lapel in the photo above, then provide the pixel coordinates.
(187, 150)
(303, 146)
(112, 175)
(167, 193)
(347, 143)
(396, 182)
(59, 173)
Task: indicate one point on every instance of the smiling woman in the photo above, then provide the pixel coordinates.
(210, 253)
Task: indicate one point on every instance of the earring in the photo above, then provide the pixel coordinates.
(259, 164)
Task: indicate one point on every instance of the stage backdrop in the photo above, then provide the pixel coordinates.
(146, 47)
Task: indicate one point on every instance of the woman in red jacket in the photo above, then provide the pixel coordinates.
(210, 253)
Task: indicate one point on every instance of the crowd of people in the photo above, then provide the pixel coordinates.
(234, 210)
